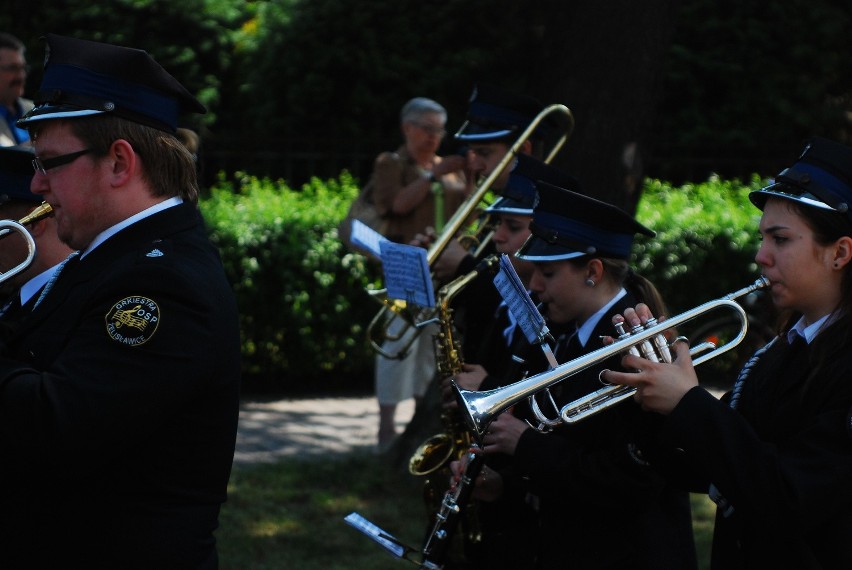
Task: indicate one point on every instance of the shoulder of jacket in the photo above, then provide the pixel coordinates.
(387, 158)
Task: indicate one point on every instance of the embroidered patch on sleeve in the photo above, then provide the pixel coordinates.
(133, 320)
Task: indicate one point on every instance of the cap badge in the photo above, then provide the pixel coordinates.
(132, 321)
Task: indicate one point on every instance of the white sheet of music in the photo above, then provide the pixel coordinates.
(407, 275)
(519, 302)
(387, 541)
(366, 237)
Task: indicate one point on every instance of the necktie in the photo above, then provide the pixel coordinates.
(568, 347)
(53, 279)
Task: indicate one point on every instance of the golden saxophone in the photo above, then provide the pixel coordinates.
(433, 456)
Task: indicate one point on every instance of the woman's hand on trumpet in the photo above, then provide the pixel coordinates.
(659, 385)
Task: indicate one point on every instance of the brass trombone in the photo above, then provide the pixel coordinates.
(480, 408)
(7, 227)
(383, 326)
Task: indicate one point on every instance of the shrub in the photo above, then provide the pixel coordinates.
(706, 239)
(302, 299)
(301, 295)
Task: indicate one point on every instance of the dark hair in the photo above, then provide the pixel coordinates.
(828, 226)
(830, 347)
(622, 274)
(8, 41)
(167, 165)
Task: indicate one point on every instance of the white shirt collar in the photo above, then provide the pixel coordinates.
(109, 232)
(585, 331)
(33, 286)
(809, 332)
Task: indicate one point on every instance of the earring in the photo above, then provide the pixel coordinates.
(590, 282)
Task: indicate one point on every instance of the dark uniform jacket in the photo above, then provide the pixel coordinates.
(475, 305)
(509, 524)
(782, 459)
(602, 505)
(119, 400)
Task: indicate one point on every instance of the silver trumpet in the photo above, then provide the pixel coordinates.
(7, 227)
(480, 408)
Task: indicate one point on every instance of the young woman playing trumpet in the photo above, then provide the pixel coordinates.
(601, 504)
(775, 453)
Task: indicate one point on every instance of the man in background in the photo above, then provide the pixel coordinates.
(13, 79)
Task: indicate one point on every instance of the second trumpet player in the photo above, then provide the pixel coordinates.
(594, 486)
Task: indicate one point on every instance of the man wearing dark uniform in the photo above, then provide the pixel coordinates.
(119, 395)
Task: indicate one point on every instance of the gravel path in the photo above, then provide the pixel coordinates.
(311, 427)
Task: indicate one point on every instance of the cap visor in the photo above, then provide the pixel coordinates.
(780, 190)
(46, 112)
(536, 249)
(509, 206)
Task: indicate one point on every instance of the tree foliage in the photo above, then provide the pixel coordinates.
(751, 80)
(306, 88)
(189, 38)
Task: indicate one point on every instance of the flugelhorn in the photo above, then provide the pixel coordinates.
(383, 327)
(7, 227)
(480, 408)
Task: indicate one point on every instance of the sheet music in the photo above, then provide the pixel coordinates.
(366, 237)
(407, 274)
(519, 302)
(385, 540)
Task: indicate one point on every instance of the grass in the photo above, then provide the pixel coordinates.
(290, 515)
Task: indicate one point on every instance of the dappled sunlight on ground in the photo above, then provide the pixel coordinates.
(305, 428)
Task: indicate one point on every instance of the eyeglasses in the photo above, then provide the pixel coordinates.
(42, 166)
(431, 129)
(15, 68)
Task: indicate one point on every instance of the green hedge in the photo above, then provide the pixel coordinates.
(706, 239)
(302, 296)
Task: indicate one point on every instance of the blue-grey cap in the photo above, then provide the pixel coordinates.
(820, 178)
(567, 224)
(83, 78)
(519, 196)
(496, 115)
